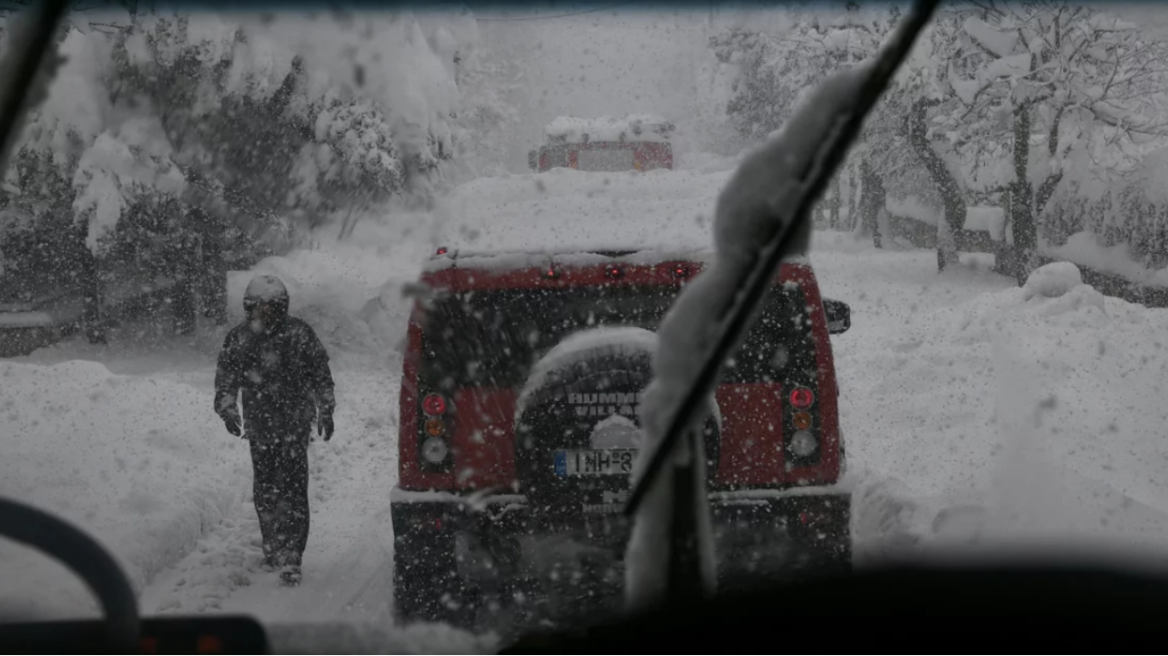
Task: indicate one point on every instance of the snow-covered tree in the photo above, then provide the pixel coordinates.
(766, 74)
(1056, 76)
(771, 72)
(489, 84)
(233, 123)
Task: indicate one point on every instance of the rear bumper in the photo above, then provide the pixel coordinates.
(511, 511)
(498, 547)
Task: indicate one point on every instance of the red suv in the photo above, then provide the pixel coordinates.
(519, 427)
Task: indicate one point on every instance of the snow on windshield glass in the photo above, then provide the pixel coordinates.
(472, 221)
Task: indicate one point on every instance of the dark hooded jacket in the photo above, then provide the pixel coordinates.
(283, 373)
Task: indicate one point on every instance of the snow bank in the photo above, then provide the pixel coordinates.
(1052, 280)
(141, 463)
(1084, 248)
(635, 127)
(1046, 409)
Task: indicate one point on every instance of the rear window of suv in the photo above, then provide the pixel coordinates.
(492, 338)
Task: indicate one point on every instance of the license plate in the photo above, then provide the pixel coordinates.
(594, 462)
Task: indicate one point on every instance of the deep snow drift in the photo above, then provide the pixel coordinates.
(1015, 415)
(138, 461)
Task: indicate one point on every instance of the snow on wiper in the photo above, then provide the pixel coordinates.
(762, 215)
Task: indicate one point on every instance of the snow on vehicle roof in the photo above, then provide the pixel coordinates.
(574, 217)
(634, 127)
(574, 258)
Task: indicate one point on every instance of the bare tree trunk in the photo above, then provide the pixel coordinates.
(951, 197)
(871, 201)
(851, 198)
(834, 204)
(1022, 195)
(1046, 189)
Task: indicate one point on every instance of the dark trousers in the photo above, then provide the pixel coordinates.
(280, 468)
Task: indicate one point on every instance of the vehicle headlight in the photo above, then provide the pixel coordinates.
(803, 443)
(434, 450)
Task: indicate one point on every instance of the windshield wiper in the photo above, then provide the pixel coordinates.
(31, 52)
(767, 202)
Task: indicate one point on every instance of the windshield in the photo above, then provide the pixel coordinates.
(346, 317)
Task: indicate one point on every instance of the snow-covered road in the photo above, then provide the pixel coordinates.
(969, 409)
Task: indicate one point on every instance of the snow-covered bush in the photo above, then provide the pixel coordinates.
(283, 126)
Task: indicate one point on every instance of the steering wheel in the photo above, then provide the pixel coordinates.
(85, 558)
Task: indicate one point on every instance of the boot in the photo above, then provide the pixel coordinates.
(290, 575)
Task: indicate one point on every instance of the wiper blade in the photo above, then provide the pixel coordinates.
(29, 49)
(813, 179)
(772, 193)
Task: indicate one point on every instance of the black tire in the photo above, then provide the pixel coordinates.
(426, 583)
(757, 557)
(548, 421)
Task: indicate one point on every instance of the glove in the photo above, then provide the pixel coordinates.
(233, 423)
(324, 425)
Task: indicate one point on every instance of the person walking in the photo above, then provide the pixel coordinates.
(282, 370)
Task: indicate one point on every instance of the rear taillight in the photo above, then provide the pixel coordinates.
(435, 427)
(613, 271)
(802, 398)
(801, 420)
(680, 271)
(434, 448)
(802, 440)
(803, 443)
(434, 405)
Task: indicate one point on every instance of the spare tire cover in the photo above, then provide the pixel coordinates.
(585, 395)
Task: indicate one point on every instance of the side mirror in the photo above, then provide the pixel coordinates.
(839, 316)
(532, 160)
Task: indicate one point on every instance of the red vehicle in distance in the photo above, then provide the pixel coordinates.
(636, 143)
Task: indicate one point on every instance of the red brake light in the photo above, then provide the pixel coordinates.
(801, 397)
(551, 273)
(434, 404)
(442, 250)
(613, 271)
(680, 271)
